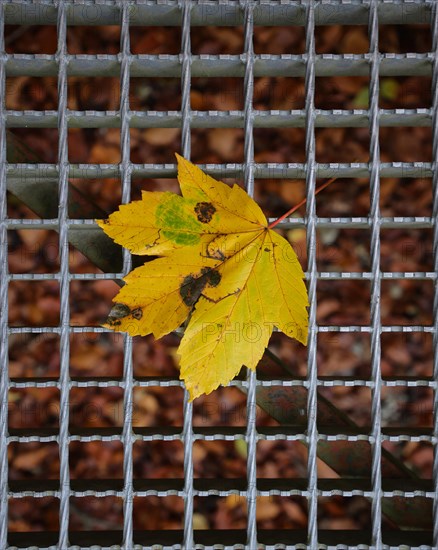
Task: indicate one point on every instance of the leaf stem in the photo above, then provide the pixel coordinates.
(300, 204)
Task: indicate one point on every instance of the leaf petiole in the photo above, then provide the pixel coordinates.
(300, 204)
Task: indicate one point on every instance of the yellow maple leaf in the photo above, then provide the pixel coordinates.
(222, 268)
(162, 222)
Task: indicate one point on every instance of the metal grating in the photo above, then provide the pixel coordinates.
(19, 178)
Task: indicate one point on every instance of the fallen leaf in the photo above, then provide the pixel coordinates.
(267, 509)
(225, 142)
(200, 522)
(222, 268)
(160, 136)
(32, 460)
(241, 447)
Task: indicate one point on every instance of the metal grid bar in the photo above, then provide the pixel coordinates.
(251, 400)
(248, 65)
(320, 328)
(376, 445)
(221, 65)
(294, 434)
(166, 383)
(312, 369)
(333, 276)
(188, 436)
(357, 223)
(128, 491)
(225, 13)
(290, 170)
(235, 539)
(64, 377)
(357, 118)
(112, 488)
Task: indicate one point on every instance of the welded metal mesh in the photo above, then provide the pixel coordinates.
(247, 66)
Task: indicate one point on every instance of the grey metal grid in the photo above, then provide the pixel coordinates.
(187, 14)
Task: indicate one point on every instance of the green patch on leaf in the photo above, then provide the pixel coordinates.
(178, 222)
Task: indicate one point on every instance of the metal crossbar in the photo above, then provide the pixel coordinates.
(391, 494)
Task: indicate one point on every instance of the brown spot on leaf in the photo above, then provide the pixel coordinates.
(190, 290)
(192, 286)
(118, 311)
(204, 211)
(214, 277)
(137, 313)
